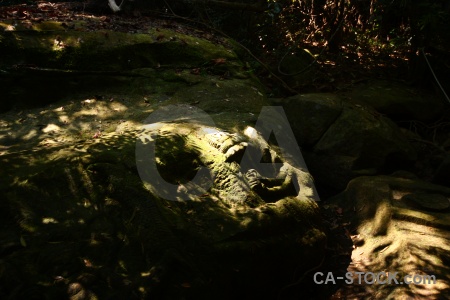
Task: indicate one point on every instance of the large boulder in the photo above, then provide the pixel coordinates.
(43, 62)
(310, 115)
(401, 227)
(397, 100)
(89, 205)
(342, 141)
(80, 217)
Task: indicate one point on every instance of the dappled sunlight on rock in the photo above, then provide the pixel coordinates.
(77, 209)
(396, 236)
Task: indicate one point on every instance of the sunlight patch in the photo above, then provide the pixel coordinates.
(49, 220)
(30, 135)
(50, 128)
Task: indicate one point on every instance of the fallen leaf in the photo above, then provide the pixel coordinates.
(97, 135)
(87, 263)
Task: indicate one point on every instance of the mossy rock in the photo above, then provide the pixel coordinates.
(43, 64)
(399, 224)
(398, 100)
(106, 50)
(74, 204)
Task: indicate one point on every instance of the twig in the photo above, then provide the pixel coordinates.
(434, 75)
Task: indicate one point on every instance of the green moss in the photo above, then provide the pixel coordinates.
(47, 26)
(110, 51)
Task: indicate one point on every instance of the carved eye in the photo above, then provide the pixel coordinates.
(177, 160)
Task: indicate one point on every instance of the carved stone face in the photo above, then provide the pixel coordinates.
(237, 197)
(242, 170)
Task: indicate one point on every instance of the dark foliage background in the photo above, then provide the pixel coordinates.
(368, 33)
